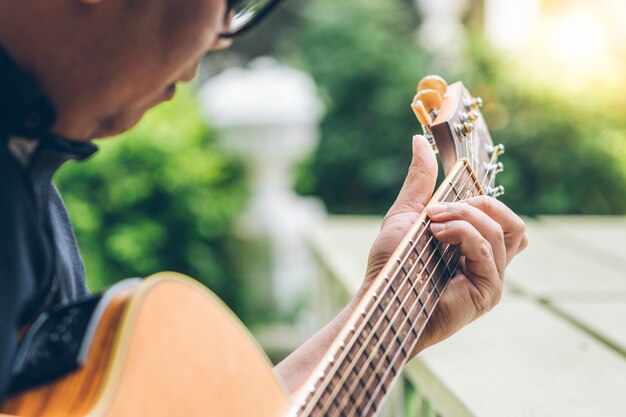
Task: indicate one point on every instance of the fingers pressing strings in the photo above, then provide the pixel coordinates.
(512, 225)
(485, 225)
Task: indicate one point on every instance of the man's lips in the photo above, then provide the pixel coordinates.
(170, 92)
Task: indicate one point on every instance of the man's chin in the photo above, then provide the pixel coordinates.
(116, 126)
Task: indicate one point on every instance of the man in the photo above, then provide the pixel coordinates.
(75, 70)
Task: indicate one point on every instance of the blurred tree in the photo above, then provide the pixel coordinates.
(565, 154)
(365, 58)
(160, 197)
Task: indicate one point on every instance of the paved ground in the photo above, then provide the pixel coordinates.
(556, 346)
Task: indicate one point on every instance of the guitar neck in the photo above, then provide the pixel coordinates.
(367, 357)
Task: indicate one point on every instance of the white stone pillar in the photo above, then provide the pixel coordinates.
(442, 31)
(268, 115)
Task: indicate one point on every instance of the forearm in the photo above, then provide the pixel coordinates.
(295, 369)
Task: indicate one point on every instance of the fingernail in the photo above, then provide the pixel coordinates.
(436, 208)
(416, 140)
(437, 227)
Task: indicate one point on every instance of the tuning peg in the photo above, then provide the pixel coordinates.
(470, 116)
(421, 113)
(431, 98)
(433, 82)
(495, 191)
(473, 103)
(496, 168)
(464, 129)
(431, 140)
(498, 149)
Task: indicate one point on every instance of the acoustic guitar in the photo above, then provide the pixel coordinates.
(167, 346)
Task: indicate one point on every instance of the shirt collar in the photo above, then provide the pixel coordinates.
(26, 116)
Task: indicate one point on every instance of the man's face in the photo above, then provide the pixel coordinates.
(130, 60)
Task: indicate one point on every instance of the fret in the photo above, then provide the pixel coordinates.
(350, 354)
(410, 262)
(448, 258)
(386, 320)
(415, 291)
(385, 331)
(376, 373)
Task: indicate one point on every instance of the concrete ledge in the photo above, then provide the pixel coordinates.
(554, 346)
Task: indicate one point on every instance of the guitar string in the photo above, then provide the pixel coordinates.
(320, 391)
(393, 361)
(425, 306)
(351, 343)
(411, 290)
(388, 329)
(412, 249)
(494, 156)
(403, 360)
(492, 161)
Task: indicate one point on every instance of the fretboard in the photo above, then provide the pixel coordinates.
(367, 357)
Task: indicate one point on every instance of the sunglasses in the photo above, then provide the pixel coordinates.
(245, 14)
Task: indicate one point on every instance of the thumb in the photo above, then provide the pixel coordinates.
(419, 184)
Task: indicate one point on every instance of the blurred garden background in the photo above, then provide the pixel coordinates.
(166, 196)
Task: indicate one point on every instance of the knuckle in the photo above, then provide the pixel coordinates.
(519, 227)
(523, 245)
(484, 203)
(498, 235)
(484, 250)
(413, 170)
(418, 169)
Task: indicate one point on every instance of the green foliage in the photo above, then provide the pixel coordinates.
(160, 197)
(557, 160)
(362, 56)
(563, 156)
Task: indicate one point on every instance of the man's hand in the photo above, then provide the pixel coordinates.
(488, 233)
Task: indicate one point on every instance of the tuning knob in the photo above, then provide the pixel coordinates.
(464, 129)
(497, 150)
(495, 191)
(433, 82)
(431, 98)
(421, 113)
(470, 116)
(495, 168)
(474, 103)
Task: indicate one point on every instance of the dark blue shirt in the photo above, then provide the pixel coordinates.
(39, 261)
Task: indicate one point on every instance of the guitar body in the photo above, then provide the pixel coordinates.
(163, 347)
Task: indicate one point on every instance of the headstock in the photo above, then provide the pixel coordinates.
(453, 123)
